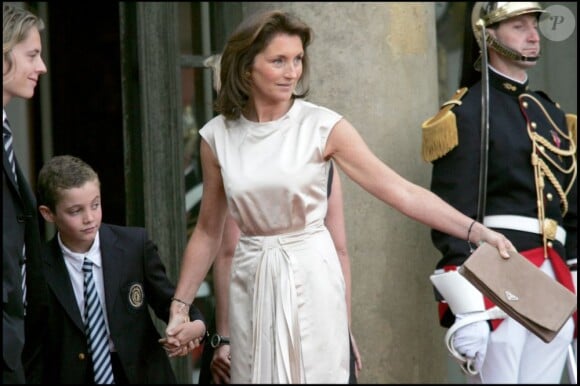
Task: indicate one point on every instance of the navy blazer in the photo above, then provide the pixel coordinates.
(134, 279)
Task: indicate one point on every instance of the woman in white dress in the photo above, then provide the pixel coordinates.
(265, 159)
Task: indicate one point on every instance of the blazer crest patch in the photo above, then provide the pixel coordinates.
(136, 295)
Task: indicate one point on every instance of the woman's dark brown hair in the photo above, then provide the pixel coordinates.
(250, 38)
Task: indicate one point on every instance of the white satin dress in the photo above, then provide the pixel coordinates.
(287, 309)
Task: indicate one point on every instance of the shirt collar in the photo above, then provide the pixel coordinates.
(77, 259)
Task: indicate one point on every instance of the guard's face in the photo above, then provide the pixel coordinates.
(27, 66)
(277, 70)
(521, 34)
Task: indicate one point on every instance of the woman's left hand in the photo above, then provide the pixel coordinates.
(481, 233)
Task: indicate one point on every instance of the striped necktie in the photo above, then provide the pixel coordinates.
(9, 149)
(96, 329)
(7, 137)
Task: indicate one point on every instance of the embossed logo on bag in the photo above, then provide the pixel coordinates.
(511, 297)
(136, 295)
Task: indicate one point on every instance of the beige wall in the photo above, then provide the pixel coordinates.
(375, 64)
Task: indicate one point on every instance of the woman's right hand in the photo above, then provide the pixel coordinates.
(178, 314)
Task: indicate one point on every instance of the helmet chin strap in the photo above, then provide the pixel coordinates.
(508, 52)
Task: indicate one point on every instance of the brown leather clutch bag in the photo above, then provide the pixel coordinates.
(521, 290)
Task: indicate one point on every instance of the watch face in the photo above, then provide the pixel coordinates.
(215, 340)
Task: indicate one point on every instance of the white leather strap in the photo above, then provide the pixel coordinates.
(465, 363)
(521, 223)
(461, 296)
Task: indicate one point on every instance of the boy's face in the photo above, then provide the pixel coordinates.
(77, 216)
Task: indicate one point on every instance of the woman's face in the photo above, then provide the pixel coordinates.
(27, 66)
(277, 69)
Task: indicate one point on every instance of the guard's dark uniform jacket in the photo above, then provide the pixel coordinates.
(522, 123)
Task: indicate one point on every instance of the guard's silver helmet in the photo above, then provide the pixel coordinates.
(486, 14)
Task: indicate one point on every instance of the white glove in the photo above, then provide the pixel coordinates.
(471, 341)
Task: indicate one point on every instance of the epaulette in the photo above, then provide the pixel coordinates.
(440, 131)
(571, 123)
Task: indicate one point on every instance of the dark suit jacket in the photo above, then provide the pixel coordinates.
(134, 278)
(20, 227)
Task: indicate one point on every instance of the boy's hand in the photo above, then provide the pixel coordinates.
(220, 365)
(174, 350)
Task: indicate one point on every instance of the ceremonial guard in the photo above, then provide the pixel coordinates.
(506, 155)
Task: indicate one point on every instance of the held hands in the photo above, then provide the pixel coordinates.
(181, 335)
(471, 341)
(184, 338)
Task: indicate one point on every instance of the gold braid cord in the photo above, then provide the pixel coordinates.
(543, 153)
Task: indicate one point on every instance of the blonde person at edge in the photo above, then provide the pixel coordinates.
(24, 303)
(334, 221)
(287, 311)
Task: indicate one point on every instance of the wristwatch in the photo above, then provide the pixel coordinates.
(218, 340)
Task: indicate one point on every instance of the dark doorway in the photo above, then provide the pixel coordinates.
(86, 98)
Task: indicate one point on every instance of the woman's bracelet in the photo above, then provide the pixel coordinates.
(471, 248)
(183, 304)
(180, 301)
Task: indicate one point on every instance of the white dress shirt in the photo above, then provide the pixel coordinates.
(74, 265)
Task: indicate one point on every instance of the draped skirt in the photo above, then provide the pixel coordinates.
(287, 310)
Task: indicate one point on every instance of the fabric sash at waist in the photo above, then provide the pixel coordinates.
(275, 305)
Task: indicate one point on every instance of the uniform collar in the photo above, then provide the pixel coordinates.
(506, 84)
(77, 259)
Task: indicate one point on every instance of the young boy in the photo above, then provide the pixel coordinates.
(128, 274)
